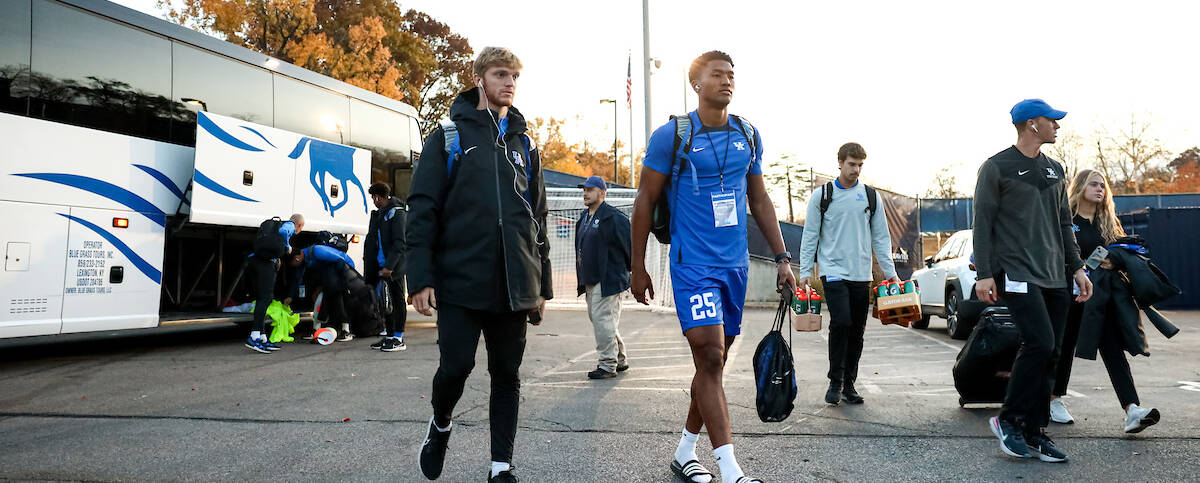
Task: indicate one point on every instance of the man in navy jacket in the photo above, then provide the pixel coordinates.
(602, 272)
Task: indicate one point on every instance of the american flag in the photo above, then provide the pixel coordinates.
(629, 84)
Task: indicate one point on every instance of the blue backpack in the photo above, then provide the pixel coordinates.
(454, 151)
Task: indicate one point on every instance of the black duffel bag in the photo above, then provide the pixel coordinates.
(774, 374)
(982, 367)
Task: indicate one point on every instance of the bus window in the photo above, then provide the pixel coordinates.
(228, 87)
(14, 55)
(310, 110)
(385, 134)
(92, 72)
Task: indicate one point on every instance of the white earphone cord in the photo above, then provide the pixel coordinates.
(501, 143)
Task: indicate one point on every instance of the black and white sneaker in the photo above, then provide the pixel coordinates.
(1041, 445)
(393, 344)
(1139, 418)
(378, 344)
(345, 336)
(433, 451)
(1011, 440)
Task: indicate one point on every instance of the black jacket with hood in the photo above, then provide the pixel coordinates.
(472, 234)
(386, 229)
(1117, 295)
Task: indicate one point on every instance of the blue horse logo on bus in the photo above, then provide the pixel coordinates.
(324, 159)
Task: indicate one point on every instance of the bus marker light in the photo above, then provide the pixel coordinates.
(120, 222)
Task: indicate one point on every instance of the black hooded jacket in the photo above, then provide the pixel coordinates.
(386, 229)
(472, 235)
(1117, 295)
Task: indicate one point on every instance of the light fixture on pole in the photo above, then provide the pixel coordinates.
(616, 165)
(195, 102)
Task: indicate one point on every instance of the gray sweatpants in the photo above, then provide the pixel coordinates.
(605, 313)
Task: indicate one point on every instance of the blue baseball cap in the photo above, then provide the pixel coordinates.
(594, 182)
(1031, 108)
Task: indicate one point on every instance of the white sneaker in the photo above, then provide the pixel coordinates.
(1139, 418)
(1058, 412)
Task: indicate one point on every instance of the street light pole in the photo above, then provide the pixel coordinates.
(647, 61)
(616, 163)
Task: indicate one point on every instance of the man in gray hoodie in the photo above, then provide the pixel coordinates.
(1024, 250)
(840, 237)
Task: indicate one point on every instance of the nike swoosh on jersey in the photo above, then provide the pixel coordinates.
(697, 149)
(1022, 173)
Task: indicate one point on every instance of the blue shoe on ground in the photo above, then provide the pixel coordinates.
(256, 346)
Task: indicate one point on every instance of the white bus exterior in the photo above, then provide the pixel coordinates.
(123, 207)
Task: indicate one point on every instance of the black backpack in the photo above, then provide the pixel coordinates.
(268, 243)
(774, 375)
(827, 199)
(333, 240)
(660, 221)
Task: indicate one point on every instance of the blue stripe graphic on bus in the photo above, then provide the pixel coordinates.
(207, 182)
(162, 178)
(137, 261)
(206, 123)
(105, 189)
(264, 138)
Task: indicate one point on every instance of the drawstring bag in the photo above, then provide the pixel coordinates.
(774, 375)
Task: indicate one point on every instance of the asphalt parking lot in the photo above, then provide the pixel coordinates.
(191, 404)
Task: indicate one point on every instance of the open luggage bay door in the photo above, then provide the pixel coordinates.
(247, 172)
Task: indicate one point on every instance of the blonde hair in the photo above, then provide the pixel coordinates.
(495, 57)
(1105, 218)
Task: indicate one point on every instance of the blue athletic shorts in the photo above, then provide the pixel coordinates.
(709, 296)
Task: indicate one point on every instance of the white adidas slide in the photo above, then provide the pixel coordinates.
(690, 470)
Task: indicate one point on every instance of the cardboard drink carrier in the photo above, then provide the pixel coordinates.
(806, 311)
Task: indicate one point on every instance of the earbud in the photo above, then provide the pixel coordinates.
(1034, 126)
(696, 86)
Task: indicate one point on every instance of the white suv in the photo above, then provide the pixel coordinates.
(947, 279)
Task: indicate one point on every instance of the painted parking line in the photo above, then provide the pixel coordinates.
(1075, 394)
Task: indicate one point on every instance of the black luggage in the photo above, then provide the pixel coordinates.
(982, 368)
(361, 306)
(774, 374)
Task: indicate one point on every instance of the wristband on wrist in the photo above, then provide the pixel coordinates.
(781, 257)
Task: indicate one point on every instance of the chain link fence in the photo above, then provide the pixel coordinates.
(565, 206)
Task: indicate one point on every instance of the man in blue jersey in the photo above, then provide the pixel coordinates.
(260, 273)
(708, 188)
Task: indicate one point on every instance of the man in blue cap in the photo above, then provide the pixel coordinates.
(1024, 250)
(602, 247)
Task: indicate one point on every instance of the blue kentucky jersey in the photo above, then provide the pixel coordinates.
(695, 237)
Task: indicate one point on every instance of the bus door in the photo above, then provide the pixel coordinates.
(33, 238)
(113, 269)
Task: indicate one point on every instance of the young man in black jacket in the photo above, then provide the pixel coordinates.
(602, 272)
(478, 252)
(383, 260)
(1024, 250)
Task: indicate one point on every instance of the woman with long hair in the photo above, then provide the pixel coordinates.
(1096, 224)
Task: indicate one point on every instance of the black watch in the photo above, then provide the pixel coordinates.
(780, 257)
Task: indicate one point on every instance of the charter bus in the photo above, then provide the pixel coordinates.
(138, 158)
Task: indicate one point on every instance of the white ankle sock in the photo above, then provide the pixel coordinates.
(687, 447)
(345, 327)
(256, 335)
(730, 471)
(498, 466)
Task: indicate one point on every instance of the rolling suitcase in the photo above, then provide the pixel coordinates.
(982, 368)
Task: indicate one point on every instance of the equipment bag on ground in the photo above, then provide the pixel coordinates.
(774, 375)
(982, 366)
(361, 306)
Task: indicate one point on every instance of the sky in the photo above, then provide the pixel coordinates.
(921, 85)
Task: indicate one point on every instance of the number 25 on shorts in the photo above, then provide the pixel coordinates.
(703, 306)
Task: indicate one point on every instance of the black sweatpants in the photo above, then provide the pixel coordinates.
(333, 290)
(261, 276)
(848, 303)
(458, 337)
(1040, 316)
(1110, 350)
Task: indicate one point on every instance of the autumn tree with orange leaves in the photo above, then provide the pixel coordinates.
(372, 44)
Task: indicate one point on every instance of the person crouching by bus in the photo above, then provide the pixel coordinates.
(330, 264)
(383, 261)
(260, 270)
